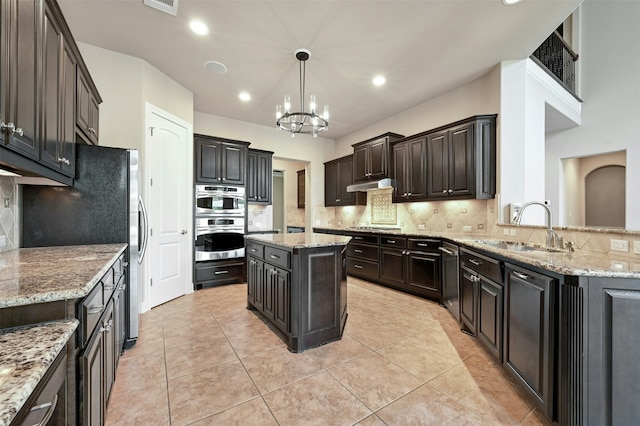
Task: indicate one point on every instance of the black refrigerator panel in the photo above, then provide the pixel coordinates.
(93, 211)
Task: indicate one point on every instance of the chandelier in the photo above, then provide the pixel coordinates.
(302, 122)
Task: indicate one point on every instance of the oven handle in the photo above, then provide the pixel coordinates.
(204, 231)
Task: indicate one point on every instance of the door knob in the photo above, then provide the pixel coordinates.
(184, 231)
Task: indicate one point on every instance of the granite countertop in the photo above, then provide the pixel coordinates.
(46, 274)
(26, 355)
(576, 263)
(300, 240)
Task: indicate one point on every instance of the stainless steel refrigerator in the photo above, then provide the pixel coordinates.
(102, 207)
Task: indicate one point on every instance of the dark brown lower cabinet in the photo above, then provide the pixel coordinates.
(600, 341)
(530, 333)
(301, 291)
(468, 297)
(218, 272)
(392, 267)
(490, 321)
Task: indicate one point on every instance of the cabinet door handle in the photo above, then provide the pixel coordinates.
(475, 262)
(50, 405)
(63, 160)
(447, 251)
(450, 191)
(444, 191)
(521, 275)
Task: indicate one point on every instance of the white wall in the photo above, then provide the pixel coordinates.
(610, 88)
(478, 97)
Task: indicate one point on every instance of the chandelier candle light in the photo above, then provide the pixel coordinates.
(302, 122)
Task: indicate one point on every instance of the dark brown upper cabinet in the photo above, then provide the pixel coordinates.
(259, 176)
(219, 160)
(40, 63)
(409, 159)
(19, 32)
(301, 188)
(87, 118)
(338, 174)
(371, 157)
(461, 159)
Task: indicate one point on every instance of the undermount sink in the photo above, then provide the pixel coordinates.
(518, 246)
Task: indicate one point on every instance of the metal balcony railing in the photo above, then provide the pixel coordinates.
(559, 59)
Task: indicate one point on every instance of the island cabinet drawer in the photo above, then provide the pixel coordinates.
(256, 250)
(89, 312)
(423, 244)
(367, 239)
(483, 265)
(391, 241)
(363, 251)
(362, 268)
(277, 257)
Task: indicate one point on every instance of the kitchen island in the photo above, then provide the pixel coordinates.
(298, 282)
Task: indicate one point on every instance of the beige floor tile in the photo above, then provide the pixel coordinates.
(372, 420)
(177, 336)
(317, 400)
(129, 406)
(140, 372)
(196, 396)
(421, 357)
(197, 339)
(254, 412)
(374, 380)
(278, 367)
(337, 352)
(535, 418)
(483, 389)
(198, 355)
(427, 406)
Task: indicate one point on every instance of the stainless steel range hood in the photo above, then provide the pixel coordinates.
(375, 184)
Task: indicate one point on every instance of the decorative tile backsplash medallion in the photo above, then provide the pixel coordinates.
(9, 224)
(383, 210)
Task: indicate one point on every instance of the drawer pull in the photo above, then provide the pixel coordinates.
(107, 327)
(95, 309)
(358, 266)
(391, 241)
(50, 405)
(358, 238)
(254, 249)
(220, 272)
(521, 275)
(273, 256)
(475, 262)
(357, 251)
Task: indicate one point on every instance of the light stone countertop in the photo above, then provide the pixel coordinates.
(576, 263)
(46, 274)
(300, 240)
(26, 353)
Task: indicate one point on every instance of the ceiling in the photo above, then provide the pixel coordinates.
(423, 47)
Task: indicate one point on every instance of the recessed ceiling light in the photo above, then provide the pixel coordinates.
(215, 67)
(510, 2)
(379, 80)
(199, 27)
(244, 96)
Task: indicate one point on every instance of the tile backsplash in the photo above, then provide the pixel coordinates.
(9, 214)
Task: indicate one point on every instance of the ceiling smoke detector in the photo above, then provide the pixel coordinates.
(166, 6)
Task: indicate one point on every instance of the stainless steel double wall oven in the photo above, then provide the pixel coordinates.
(219, 222)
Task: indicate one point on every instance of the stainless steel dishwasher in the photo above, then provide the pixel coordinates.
(450, 286)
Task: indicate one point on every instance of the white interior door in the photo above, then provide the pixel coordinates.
(169, 249)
